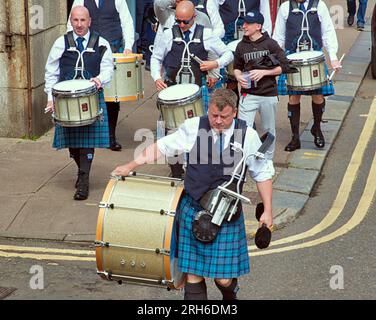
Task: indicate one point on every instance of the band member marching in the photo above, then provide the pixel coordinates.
(211, 142)
(172, 62)
(113, 21)
(304, 25)
(95, 55)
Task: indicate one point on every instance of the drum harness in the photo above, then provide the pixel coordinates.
(222, 203)
(303, 46)
(80, 64)
(185, 73)
(242, 12)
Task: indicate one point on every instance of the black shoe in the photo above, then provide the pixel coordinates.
(293, 145)
(81, 194)
(115, 146)
(350, 20)
(319, 139)
(360, 28)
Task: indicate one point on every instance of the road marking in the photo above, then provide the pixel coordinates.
(45, 257)
(47, 250)
(360, 212)
(346, 185)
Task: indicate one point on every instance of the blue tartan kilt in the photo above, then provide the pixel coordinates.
(95, 135)
(224, 258)
(206, 92)
(327, 90)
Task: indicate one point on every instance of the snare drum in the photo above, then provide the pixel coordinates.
(135, 240)
(230, 68)
(180, 102)
(127, 83)
(76, 103)
(311, 75)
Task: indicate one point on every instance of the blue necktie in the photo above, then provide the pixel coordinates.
(186, 36)
(100, 4)
(80, 45)
(302, 7)
(219, 143)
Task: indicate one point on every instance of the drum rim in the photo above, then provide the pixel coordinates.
(307, 88)
(75, 94)
(121, 57)
(307, 61)
(180, 102)
(81, 123)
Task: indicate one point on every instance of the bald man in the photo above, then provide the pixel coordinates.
(98, 67)
(170, 48)
(113, 21)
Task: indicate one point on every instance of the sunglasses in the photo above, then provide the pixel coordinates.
(178, 21)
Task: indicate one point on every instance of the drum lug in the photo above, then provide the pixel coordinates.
(103, 205)
(162, 251)
(101, 244)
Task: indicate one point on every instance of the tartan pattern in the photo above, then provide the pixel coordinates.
(92, 136)
(327, 90)
(226, 257)
(206, 92)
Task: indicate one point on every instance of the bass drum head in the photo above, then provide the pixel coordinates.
(178, 92)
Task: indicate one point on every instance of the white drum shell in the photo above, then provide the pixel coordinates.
(311, 75)
(184, 102)
(75, 107)
(127, 83)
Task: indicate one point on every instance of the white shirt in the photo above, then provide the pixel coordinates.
(212, 44)
(329, 37)
(53, 63)
(264, 9)
(125, 19)
(184, 139)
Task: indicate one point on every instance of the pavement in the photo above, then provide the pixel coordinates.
(37, 182)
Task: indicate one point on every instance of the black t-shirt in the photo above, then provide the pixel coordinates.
(248, 52)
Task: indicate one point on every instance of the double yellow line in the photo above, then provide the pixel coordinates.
(341, 198)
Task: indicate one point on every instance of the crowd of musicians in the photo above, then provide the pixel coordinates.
(228, 48)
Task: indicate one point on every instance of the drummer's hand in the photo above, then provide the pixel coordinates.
(49, 107)
(211, 82)
(122, 171)
(208, 65)
(266, 218)
(256, 75)
(127, 51)
(97, 82)
(336, 65)
(160, 85)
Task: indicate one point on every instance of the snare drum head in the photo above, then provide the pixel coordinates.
(305, 55)
(232, 45)
(73, 85)
(178, 92)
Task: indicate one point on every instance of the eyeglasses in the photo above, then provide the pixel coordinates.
(178, 21)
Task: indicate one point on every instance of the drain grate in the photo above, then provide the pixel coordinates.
(4, 292)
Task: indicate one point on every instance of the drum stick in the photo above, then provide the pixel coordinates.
(334, 71)
(198, 60)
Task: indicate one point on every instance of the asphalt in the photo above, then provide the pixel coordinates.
(37, 182)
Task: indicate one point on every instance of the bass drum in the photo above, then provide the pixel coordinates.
(135, 238)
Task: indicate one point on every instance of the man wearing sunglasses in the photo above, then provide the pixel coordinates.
(186, 37)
